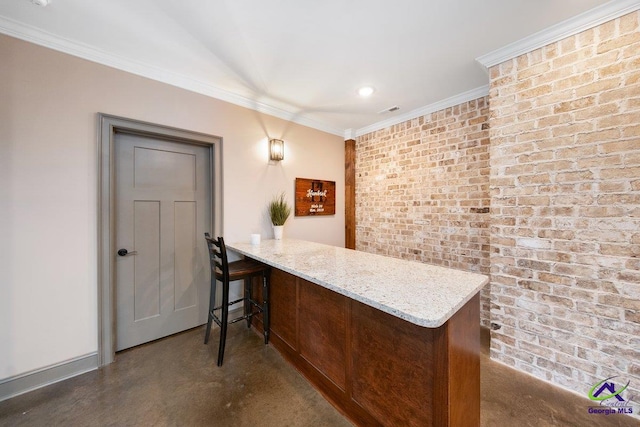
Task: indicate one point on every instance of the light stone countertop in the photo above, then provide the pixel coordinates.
(423, 294)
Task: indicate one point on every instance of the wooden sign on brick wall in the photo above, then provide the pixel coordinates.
(315, 197)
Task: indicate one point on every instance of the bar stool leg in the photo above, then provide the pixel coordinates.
(223, 321)
(248, 291)
(265, 304)
(212, 305)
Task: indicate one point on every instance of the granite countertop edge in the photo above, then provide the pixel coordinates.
(329, 267)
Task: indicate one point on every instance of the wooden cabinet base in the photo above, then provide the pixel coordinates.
(378, 369)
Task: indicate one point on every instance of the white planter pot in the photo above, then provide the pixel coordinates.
(277, 232)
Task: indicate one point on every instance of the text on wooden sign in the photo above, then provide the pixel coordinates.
(315, 197)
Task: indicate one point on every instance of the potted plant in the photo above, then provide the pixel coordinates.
(279, 211)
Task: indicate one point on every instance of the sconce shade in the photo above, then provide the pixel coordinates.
(276, 149)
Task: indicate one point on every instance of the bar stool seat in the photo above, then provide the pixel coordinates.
(226, 272)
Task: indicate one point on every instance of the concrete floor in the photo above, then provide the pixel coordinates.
(175, 382)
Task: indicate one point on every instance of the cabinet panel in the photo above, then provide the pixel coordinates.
(283, 306)
(392, 367)
(323, 333)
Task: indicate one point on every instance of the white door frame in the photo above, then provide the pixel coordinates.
(108, 125)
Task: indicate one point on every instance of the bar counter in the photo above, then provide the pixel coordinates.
(387, 341)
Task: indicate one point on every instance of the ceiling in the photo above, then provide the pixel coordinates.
(303, 60)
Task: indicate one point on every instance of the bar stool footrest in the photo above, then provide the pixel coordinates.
(218, 321)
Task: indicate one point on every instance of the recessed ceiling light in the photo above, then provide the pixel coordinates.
(365, 91)
(42, 3)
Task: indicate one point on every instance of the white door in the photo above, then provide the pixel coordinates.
(163, 208)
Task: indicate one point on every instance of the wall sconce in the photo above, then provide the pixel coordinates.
(276, 149)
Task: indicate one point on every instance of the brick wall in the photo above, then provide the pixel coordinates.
(565, 201)
(422, 190)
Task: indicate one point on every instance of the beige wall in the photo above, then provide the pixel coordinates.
(422, 190)
(565, 224)
(48, 190)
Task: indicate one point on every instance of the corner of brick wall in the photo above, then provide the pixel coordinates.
(422, 190)
(565, 200)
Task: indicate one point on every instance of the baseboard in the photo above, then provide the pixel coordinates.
(23, 383)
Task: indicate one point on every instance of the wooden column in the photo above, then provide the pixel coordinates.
(350, 194)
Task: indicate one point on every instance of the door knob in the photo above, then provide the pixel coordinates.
(124, 252)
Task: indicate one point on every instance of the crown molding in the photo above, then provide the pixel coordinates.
(51, 41)
(584, 21)
(589, 19)
(349, 134)
(469, 95)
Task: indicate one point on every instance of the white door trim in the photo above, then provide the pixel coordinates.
(108, 125)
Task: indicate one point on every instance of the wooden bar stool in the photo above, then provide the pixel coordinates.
(225, 272)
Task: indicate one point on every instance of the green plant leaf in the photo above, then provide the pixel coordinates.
(279, 210)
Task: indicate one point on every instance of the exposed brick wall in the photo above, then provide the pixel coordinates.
(422, 190)
(565, 201)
